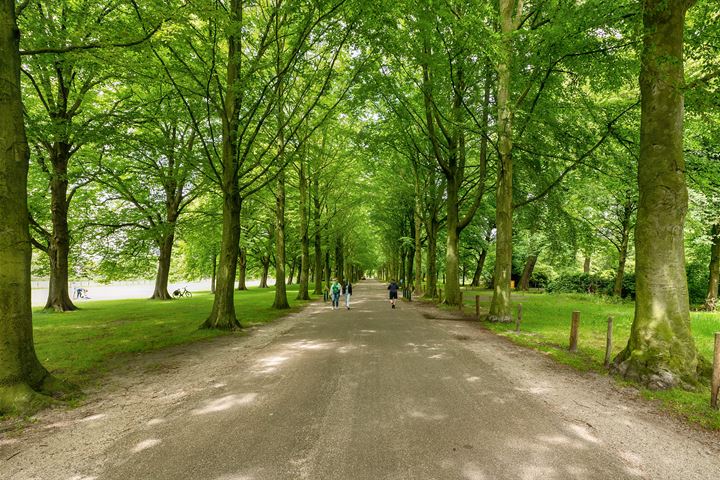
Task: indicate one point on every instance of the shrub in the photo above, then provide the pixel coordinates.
(581, 283)
(697, 275)
(539, 280)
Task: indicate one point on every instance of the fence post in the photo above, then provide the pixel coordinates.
(574, 330)
(608, 345)
(716, 374)
(518, 319)
(462, 305)
(477, 306)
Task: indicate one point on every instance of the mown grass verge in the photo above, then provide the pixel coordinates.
(80, 346)
(546, 327)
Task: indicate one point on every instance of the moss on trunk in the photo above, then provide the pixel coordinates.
(24, 383)
(661, 351)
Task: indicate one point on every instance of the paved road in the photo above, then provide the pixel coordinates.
(369, 393)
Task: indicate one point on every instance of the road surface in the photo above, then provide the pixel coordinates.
(370, 393)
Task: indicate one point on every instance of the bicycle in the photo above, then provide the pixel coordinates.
(184, 292)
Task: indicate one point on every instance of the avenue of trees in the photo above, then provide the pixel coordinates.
(455, 142)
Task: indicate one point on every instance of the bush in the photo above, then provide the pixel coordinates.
(581, 283)
(539, 280)
(601, 284)
(697, 275)
(628, 286)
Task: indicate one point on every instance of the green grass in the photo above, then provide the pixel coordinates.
(546, 327)
(82, 345)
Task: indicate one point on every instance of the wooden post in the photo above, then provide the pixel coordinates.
(462, 305)
(574, 330)
(608, 345)
(518, 319)
(477, 306)
(716, 374)
(439, 295)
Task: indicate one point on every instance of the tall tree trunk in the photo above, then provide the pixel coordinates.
(622, 259)
(500, 306)
(661, 351)
(339, 259)
(59, 245)
(620, 274)
(527, 271)
(479, 267)
(223, 315)
(317, 244)
(432, 273)
(407, 267)
(22, 378)
(328, 271)
(213, 278)
(242, 269)
(291, 275)
(714, 278)
(163, 272)
(586, 264)
(626, 225)
(418, 239)
(265, 261)
(281, 301)
(452, 284)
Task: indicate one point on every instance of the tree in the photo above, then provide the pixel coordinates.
(510, 19)
(661, 351)
(65, 82)
(155, 173)
(24, 382)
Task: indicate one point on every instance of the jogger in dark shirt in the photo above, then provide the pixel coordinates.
(393, 287)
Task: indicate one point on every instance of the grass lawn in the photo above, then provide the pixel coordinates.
(79, 346)
(546, 327)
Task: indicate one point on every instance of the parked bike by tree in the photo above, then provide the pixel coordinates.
(182, 292)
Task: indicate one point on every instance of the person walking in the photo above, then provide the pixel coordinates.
(335, 290)
(393, 287)
(347, 291)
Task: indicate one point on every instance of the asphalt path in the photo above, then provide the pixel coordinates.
(366, 393)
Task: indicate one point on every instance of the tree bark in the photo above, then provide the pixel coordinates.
(661, 351)
(622, 259)
(317, 244)
(265, 261)
(479, 267)
(714, 278)
(223, 314)
(213, 278)
(586, 264)
(339, 259)
(527, 272)
(242, 269)
(500, 306)
(23, 380)
(417, 217)
(432, 273)
(163, 272)
(328, 271)
(452, 284)
(291, 275)
(59, 245)
(281, 301)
